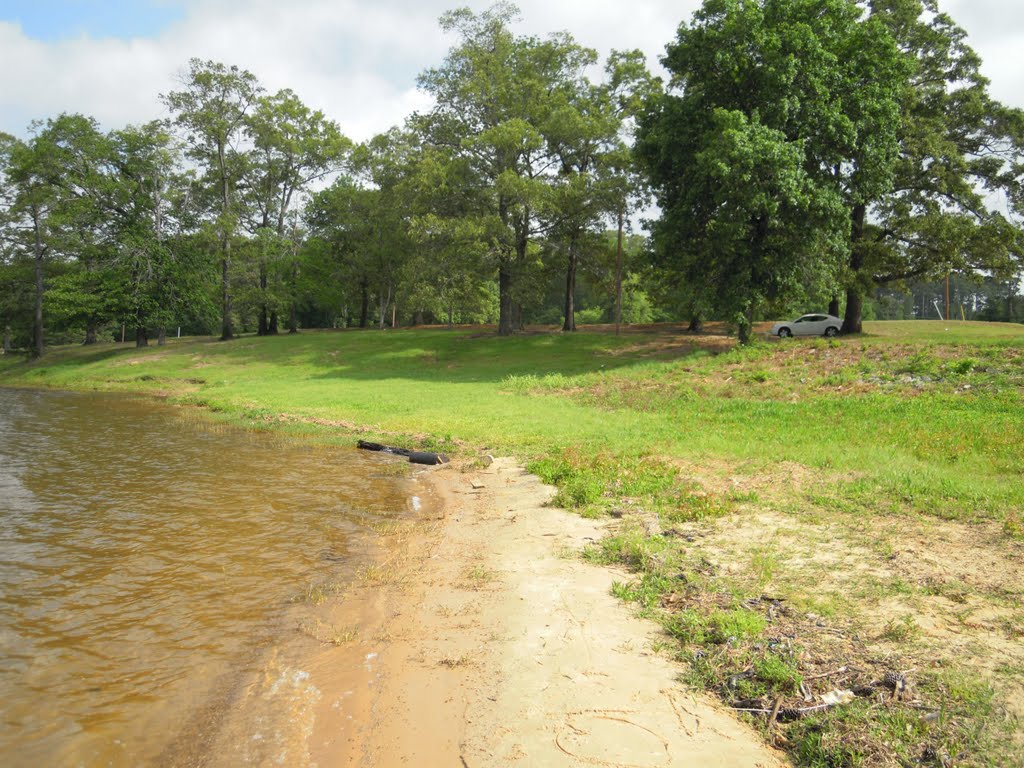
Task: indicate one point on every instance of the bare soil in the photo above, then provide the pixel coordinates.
(912, 592)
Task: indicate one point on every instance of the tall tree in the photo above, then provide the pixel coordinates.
(54, 181)
(364, 221)
(293, 147)
(590, 136)
(778, 110)
(149, 213)
(496, 94)
(582, 132)
(29, 200)
(16, 301)
(447, 270)
(958, 147)
(211, 109)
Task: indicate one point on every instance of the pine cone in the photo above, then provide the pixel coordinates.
(894, 681)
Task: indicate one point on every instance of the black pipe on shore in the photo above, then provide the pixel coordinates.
(416, 457)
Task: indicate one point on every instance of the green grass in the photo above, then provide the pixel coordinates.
(620, 410)
(941, 330)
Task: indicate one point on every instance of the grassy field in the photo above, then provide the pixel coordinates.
(803, 517)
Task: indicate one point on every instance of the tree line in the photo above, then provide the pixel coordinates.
(801, 152)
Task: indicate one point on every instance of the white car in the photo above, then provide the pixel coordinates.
(808, 325)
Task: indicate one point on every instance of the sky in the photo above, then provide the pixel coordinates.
(357, 60)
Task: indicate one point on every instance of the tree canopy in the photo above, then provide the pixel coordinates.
(779, 114)
(800, 152)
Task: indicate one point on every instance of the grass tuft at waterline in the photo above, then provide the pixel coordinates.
(788, 509)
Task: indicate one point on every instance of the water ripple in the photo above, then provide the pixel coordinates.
(145, 553)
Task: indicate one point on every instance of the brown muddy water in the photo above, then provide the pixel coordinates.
(151, 564)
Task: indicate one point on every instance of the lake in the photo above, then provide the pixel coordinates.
(152, 561)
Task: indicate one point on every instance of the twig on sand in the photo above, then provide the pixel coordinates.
(826, 674)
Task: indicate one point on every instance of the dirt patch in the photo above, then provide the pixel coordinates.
(782, 479)
(139, 360)
(934, 599)
(937, 553)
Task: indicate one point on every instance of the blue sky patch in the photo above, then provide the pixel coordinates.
(52, 20)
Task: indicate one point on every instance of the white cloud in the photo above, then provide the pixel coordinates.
(357, 60)
(995, 30)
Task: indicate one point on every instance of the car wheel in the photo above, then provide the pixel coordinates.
(831, 331)
(785, 333)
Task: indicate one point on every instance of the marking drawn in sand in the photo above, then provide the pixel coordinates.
(684, 722)
(586, 734)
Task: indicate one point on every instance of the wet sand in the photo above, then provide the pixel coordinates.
(482, 641)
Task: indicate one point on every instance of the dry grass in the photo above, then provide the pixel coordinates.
(787, 599)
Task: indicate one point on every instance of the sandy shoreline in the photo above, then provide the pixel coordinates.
(485, 643)
(480, 640)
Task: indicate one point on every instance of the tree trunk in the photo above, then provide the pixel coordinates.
(696, 324)
(505, 323)
(293, 311)
(746, 325)
(947, 295)
(262, 326)
(618, 273)
(227, 331)
(570, 289)
(161, 336)
(759, 238)
(522, 246)
(417, 317)
(385, 300)
(90, 334)
(854, 310)
(364, 313)
(141, 338)
(7, 340)
(37, 328)
(852, 319)
(833, 306)
(272, 327)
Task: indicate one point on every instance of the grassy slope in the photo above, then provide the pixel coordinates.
(927, 443)
(845, 440)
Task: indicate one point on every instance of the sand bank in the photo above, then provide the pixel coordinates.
(486, 642)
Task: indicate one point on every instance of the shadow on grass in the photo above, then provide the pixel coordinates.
(449, 356)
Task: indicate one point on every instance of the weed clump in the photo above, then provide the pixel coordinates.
(595, 484)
